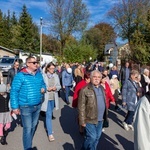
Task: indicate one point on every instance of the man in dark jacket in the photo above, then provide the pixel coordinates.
(12, 72)
(92, 110)
(124, 73)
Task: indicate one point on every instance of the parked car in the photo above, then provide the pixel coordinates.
(7, 62)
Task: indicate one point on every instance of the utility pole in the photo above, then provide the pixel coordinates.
(41, 23)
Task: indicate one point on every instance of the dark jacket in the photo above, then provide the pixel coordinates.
(122, 75)
(144, 83)
(4, 103)
(11, 74)
(87, 105)
(113, 72)
(98, 68)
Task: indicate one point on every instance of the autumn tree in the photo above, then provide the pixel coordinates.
(131, 18)
(50, 44)
(99, 36)
(67, 17)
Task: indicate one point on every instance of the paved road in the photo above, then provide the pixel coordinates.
(67, 136)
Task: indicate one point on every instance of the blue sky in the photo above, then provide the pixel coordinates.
(39, 8)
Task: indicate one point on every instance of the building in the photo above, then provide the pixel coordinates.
(111, 53)
(6, 52)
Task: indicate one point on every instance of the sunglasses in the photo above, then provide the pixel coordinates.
(35, 62)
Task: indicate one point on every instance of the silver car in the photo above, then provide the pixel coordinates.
(8, 62)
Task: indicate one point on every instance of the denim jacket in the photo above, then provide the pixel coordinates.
(67, 78)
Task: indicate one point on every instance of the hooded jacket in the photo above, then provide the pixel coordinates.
(26, 89)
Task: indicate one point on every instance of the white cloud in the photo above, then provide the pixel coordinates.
(16, 5)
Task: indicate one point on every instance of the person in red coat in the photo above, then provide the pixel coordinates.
(78, 87)
(108, 93)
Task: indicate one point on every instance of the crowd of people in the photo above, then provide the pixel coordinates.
(34, 89)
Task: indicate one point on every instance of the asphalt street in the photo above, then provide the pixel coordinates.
(67, 135)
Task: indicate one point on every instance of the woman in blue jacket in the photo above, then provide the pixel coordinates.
(67, 81)
(130, 97)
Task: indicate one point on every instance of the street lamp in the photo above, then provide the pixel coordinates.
(41, 23)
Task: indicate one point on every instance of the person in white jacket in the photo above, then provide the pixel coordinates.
(51, 96)
(142, 123)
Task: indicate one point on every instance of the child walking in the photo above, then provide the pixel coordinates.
(5, 116)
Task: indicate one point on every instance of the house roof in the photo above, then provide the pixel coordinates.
(6, 49)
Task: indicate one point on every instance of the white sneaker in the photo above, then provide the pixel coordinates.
(131, 127)
(125, 126)
(103, 130)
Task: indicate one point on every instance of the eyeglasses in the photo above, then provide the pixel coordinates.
(35, 62)
(51, 68)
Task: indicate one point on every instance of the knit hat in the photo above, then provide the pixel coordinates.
(3, 88)
(114, 76)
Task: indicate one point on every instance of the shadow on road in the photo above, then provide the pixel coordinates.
(34, 148)
(62, 94)
(107, 143)
(112, 114)
(126, 144)
(68, 122)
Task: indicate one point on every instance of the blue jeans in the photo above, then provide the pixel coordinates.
(92, 135)
(29, 117)
(50, 107)
(129, 117)
(67, 91)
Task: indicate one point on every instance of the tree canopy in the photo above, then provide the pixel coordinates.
(132, 19)
(67, 17)
(99, 36)
(79, 52)
(19, 33)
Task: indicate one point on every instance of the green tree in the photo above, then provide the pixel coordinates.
(7, 30)
(26, 33)
(79, 52)
(14, 31)
(14, 20)
(1, 29)
(35, 38)
(67, 17)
